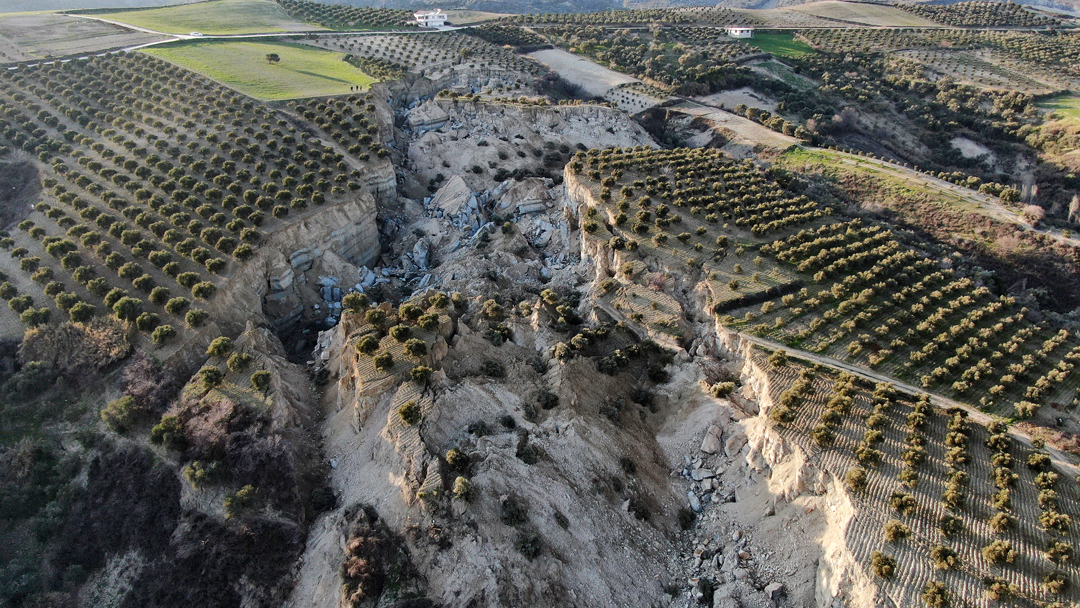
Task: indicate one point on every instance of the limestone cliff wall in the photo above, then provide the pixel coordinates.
(269, 286)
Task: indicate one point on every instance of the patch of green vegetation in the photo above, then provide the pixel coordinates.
(780, 44)
(301, 72)
(217, 17)
(1068, 106)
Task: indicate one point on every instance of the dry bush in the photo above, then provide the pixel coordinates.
(884, 566)
(74, 349)
(148, 382)
(895, 531)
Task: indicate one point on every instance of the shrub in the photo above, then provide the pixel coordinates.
(944, 558)
(367, 345)
(187, 280)
(462, 488)
(420, 374)
(722, 389)
(260, 380)
(855, 479)
(81, 312)
(34, 317)
(163, 334)
(169, 433)
(867, 455)
(375, 316)
(903, 502)
(410, 413)
(354, 301)
(883, 566)
(237, 502)
(1001, 522)
(219, 347)
(1046, 480)
(935, 594)
(159, 296)
(1038, 461)
(196, 317)
(20, 303)
(198, 472)
(127, 308)
(1053, 520)
(781, 414)
(1056, 582)
(204, 290)
(1058, 552)
(998, 588)
(950, 525)
(147, 321)
(416, 347)
(999, 552)
(384, 361)
(120, 414)
(778, 358)
(492, 369)
(410, 312)
(177, 305)
(430, 321)
(400, 332)
(211, 376)
(456, 459)
(239, 361)
(514, 512)
(895, 530)
(908, 477)
(953, 498)
(528, 544)
(823, 435)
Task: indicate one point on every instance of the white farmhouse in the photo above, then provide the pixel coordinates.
(736, 31)
(435, 18)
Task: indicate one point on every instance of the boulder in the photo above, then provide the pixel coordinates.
(775, 592)
(711, 443)
(701, 473)
(695, 504)
(734, 444)
(454, 197)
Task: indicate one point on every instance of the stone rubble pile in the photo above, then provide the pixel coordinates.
(723, 561)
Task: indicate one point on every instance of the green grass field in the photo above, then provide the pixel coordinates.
(302, 72)
(218, 17)
(1067, 106)
(780, 44)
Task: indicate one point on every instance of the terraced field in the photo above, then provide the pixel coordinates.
(147, 220)
(938, 497)
(783, 266)
(424, 53)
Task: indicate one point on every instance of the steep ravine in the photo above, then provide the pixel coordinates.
(594, 551)
(776, 478)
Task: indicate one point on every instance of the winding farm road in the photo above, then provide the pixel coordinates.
(178, 37)
(990, 206)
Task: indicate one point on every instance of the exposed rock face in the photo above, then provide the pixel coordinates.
(283, 282)
(453, 137)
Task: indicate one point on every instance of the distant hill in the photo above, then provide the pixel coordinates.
(575, 6)
(18, 6)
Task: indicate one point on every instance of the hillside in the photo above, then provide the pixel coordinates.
(319, 308)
